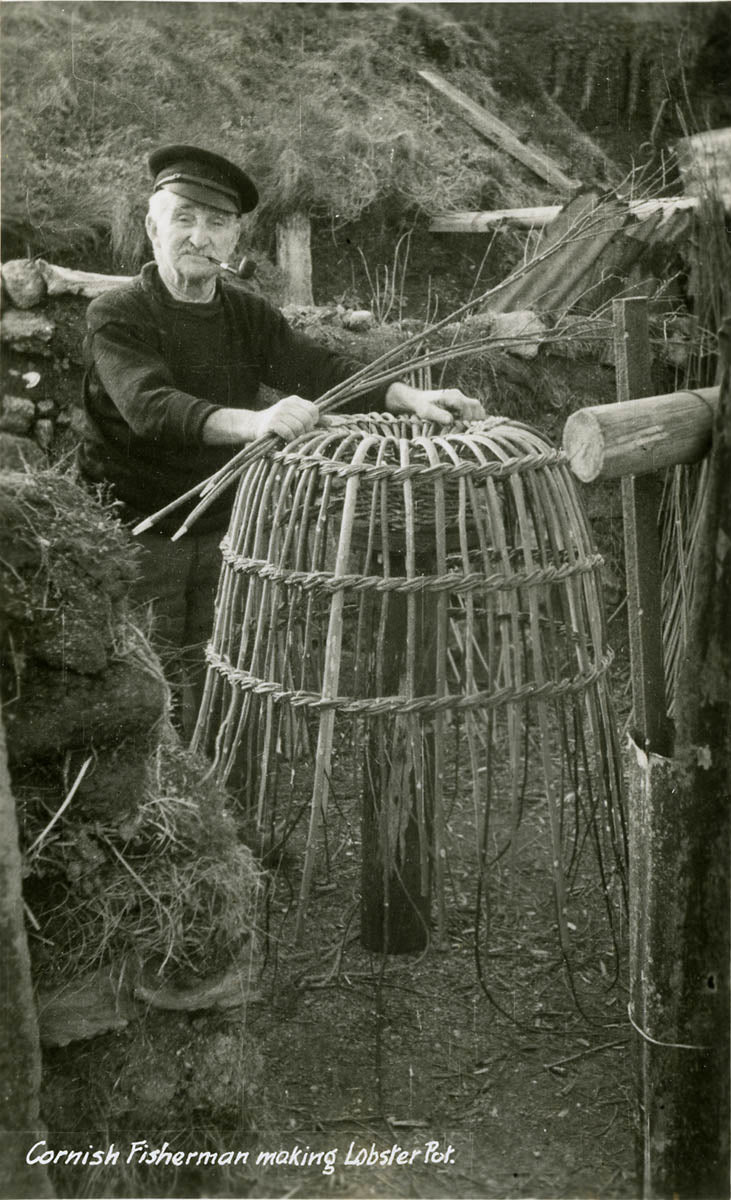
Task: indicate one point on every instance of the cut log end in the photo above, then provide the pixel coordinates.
(583, 443)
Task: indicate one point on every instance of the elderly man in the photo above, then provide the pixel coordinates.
(174, 364)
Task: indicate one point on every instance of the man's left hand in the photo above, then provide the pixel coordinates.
(441, 405)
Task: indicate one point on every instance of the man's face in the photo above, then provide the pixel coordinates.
(184, 233)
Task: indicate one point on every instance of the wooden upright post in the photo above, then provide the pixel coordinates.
(294, 258)
(396, 866)
(641, 506)
(20, 1052)
(679, 814)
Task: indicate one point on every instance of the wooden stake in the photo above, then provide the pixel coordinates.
(396, 876)
(640, 506)
(294, 259)
(680, 833)
(20, 1056)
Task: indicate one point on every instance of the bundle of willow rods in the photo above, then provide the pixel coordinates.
(394, 596)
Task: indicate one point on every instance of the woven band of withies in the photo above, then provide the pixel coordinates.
(499, 469)
(404, 705)
(455, 582)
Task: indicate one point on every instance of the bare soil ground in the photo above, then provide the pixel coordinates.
(363, 1052)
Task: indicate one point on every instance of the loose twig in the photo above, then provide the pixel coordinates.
(560, 1062)
(74, 787)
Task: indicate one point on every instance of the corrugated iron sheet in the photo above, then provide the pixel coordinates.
(597, 240)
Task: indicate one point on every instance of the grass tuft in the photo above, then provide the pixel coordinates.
(168, 885)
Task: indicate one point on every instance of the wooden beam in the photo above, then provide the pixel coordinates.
(640, 508)
(607, 441)
(536, 218)
(28, 281)
(500, 134)
(485, 222)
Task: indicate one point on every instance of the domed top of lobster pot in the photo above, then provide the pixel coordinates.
(487, 518)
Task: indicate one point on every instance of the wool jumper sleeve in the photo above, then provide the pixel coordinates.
(141, 386)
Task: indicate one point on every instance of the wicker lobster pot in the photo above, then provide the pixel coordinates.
(413, 618)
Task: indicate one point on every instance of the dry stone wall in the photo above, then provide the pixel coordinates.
(40, 379)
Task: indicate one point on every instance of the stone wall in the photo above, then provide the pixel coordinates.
(41, 333)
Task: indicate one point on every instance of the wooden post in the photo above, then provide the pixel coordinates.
(20, 1055)
(396, 899)
(294, 259)
(640, 506)
(680, 838)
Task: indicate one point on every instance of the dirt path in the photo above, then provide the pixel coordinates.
(364, 1055)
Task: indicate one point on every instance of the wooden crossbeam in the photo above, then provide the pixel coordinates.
(537, 217)
(607, 441)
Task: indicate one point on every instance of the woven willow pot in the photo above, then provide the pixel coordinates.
(395, 600)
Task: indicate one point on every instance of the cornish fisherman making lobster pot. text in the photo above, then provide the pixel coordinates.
(174, 363)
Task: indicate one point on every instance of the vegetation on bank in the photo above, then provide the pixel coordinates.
(322, 101)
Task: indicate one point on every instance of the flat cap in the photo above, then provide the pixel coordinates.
(203, 176)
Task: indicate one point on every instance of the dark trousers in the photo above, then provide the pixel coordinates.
(180, 580)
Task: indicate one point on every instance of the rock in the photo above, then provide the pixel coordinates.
(521, 325)
(17, 414)
(77, 421)
(231, 988)
(24, 330)
(43, 431)
(83, 1008)
(359, 320)
(19, 453)
(23, 282)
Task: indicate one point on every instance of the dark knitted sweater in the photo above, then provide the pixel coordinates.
(156, 368)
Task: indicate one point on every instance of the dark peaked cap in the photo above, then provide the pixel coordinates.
(203, 176)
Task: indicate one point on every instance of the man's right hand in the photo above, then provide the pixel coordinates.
(288, 418)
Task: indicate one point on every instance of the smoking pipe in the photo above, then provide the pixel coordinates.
(245, 269)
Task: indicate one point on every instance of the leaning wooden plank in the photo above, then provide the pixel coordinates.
(536, 218)
(500, 134)
(637, 436)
